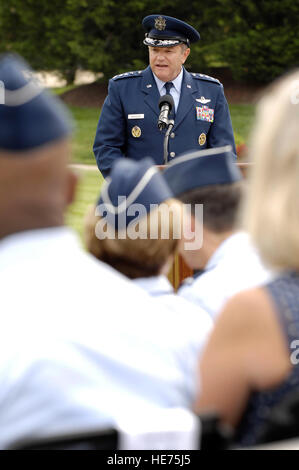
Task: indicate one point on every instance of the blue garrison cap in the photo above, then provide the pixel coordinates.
(202, 168)
(29, 115)
(165, 31)
(131, 182)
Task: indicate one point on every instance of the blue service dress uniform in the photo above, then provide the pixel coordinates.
(128, 122)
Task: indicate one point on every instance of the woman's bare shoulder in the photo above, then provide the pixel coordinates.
(249, 307)
(250, 320)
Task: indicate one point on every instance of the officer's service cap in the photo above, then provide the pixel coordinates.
(165, 31)
(29, 115)
(202, 168)
(132, 188)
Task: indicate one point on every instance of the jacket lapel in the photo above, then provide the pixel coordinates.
(149, 87)
(187, 98)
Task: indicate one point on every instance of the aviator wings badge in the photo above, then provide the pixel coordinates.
(203, 100)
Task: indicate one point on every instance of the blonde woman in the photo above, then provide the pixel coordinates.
(249, 364)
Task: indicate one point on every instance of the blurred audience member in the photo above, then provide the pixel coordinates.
(225, 259)
(80, 346)
(250, 363)
(143, 248)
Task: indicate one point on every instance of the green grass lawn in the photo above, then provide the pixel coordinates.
(86, 123)
(242, 118)
(88, 191)
(62, 89)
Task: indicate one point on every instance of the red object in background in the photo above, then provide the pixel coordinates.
(241, 150)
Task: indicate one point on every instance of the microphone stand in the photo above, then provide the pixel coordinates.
(169, 124)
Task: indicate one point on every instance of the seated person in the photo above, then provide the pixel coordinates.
(226, 259)
(81, 347)
(251, 361)
(144, 249)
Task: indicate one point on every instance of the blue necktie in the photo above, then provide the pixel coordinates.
(168, 86)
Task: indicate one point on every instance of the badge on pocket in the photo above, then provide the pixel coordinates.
(136, 132)
(202, 138)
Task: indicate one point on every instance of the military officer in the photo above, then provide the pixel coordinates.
(128, 123)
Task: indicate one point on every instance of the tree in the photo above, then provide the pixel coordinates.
(257, 39)
(40, 32)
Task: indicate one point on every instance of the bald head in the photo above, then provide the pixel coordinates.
(35, 187)
(35, 183)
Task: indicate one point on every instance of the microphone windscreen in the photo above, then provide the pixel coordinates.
(166, 99)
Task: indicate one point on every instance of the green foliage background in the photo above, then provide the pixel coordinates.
(256, 39)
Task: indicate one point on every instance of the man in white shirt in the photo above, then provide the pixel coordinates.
(80, 346)
(227, 261)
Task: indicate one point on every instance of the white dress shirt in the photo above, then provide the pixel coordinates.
(197, 323)
(80, 345)
(233, 267)
(175, 90)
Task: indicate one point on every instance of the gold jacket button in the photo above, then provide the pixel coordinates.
(172, 135)
(172, 154)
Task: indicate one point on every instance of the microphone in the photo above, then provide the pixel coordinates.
(166, 104)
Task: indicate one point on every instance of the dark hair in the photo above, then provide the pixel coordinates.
(220, 204)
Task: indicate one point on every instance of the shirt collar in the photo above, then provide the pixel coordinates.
(156, 285)
(33, 243)
(177, 82)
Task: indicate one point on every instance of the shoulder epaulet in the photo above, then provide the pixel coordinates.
(136, 73)
(202, 76)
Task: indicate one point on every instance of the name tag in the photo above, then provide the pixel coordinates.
(135, 116)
